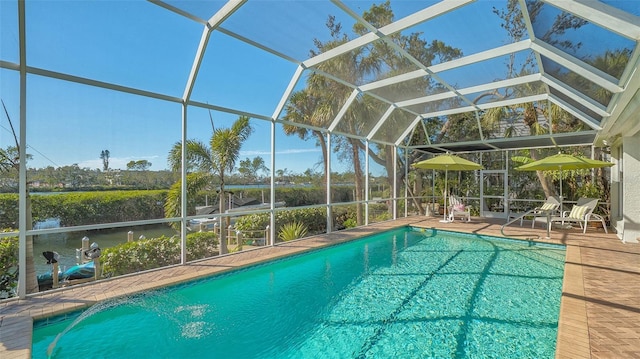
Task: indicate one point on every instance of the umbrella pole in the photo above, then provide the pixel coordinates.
(444, 210)
(433, 191)
(561, 197)
(561, 210)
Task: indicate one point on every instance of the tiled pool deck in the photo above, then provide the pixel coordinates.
(599, 311)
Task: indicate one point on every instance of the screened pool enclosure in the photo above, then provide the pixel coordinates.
(341, 97)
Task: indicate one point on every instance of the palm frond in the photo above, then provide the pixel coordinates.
(522, 159)
(195, 182)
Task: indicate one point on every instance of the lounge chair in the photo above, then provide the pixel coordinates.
(581, 213)
(458, 209)
(548, 208)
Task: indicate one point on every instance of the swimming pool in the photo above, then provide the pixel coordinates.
(402, 293)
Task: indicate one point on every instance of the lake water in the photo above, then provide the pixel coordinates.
(66, 243)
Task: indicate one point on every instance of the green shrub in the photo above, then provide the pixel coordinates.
(350, 223)
(9, 210)
(379, 212)
(253, 222)
(344, 217)
(8, 266)
(314, 218)
(153, 253)
(292, 230)
(201, 245)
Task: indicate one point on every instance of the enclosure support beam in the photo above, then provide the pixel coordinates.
(328, 185)
(272, 200)
(22, 176)
(367, 198)
(183, 187)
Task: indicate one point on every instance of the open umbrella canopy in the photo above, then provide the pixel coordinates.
(562, 162)
(447, 162)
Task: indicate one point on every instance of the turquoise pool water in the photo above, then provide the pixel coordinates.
(405, 293)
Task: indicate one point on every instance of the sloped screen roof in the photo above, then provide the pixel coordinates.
(453, 75)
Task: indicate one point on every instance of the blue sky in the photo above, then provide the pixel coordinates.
(138, 44)
(151, 49)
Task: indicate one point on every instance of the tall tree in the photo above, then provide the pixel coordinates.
(140, 165)
(320, 101)
(250, 169)
(310, 106)
(218, 158)
(531, 114)
(104, 156)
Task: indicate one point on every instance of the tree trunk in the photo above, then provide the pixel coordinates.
(358, 179)
(390, 175)
(32, 279)
(547, 184)
(223, 230)
(325, 156)
(417, 192)
(547, 187)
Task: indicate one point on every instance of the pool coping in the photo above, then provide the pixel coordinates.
(573, 340)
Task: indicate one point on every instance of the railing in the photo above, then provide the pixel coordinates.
(253, 238)
(520, 218)
(239, 238)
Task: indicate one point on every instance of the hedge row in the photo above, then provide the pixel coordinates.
(9, 210)
(153, 253)
(8, 266)
(291, 196)
(82, 208)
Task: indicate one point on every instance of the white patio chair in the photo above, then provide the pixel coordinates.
(581, 213)
(548, 209)
(458, 209)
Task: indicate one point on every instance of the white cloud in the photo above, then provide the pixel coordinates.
(159, 163)
(290, 151)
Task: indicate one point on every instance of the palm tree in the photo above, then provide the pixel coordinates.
(195, 182)
(320, 101)
(218, 158)
(305, 107)
(104, 156)
(323, 98)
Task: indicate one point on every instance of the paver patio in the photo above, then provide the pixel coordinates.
(599, 311)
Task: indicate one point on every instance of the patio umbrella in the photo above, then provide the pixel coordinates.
(447, 162)
(561, 162)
